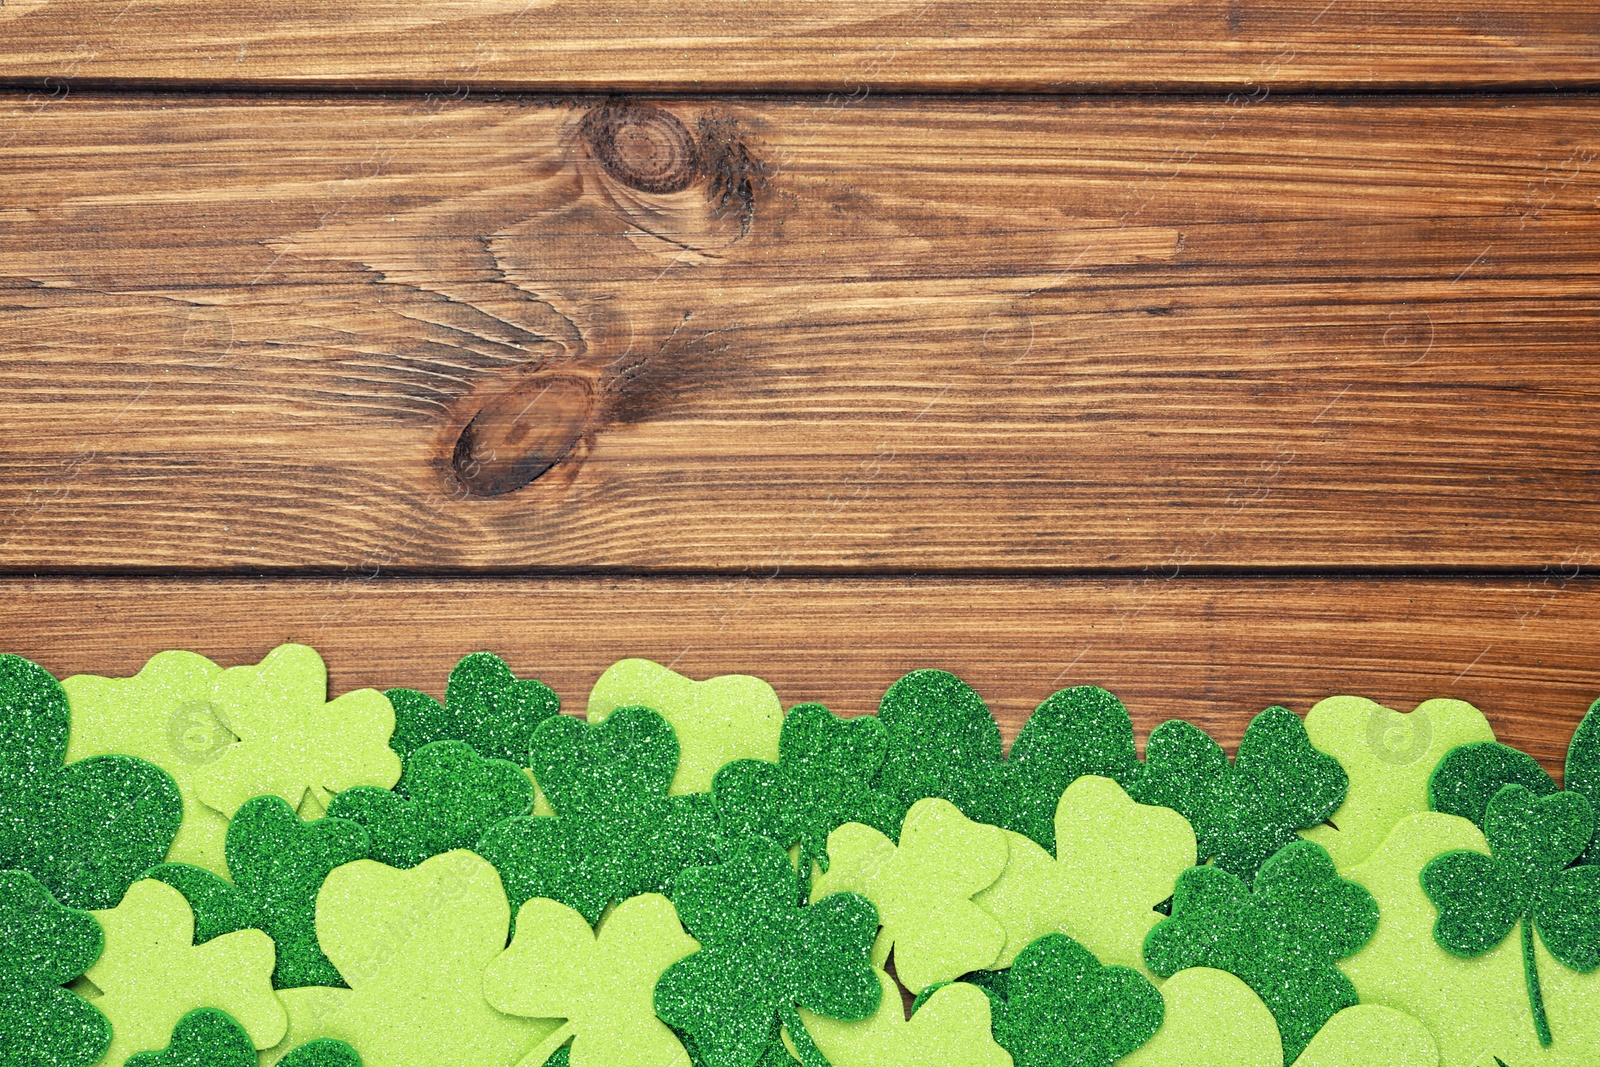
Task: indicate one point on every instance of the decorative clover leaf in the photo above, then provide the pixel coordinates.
(1245, 811)
(447, 798)
(943, 742)
(164, 715)
(414, 946)
(1116, 861)
(950, 1029)
(761, 956)
(1470, 775)
(207, 1037)
(292, 742)
(151, 973)
(1583, 766)
(1477, 1009)
(923, 890)
(1282, 937)
(485, 706)
(1211, 1019)
(717, 721)
(42, 947)
(601, 982)
(1064, 1009)
(1527, 879)
(278, 865)
(86, 831)
(822, 780)
(1389, 757)
(1371, 1035)
(616, 833)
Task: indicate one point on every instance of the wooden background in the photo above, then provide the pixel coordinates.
(1223, 353)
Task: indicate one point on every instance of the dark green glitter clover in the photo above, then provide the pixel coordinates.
(43, 946)
(761, 956)
(616, 833)
(943, 742)
(1583, 767)
(1063, 1008)
(1242, 812)
(1281, 937)
(323, 1052)
(447, 798)
(485, 705)
(1469, 776)
(278, 864)
(822, 780)
(204, 1037)
(1527, 878)
(86, 830)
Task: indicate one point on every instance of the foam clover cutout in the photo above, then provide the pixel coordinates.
(203, 1038)
(1470, 775)
(413, 946)
(602, 982)
(43, 946)
(324, 1052)
(951, 1028)
(485, 706)
(717, 721)
(1064, 1008)
(278, 865)
(447, 798)
(164, 715)
(1389, 757)
(1583, 764)
(923, 890)
(1526, 880)
(86, 830)
(761, 956)
(1370, 1035)
(1476, 1008)
(943, 742)
(1282, 936)
(1115, 861)
(1211, 1019)
(1242, 812)
(822, 780)
(616, 833)
(294, 743)
(151, 973)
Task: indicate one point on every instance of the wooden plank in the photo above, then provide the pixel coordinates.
(1211, 651)
(848, 48)
(764, 336)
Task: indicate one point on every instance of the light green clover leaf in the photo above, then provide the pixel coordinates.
(952, 1028)
(1370, 1035)
(1212, 1019)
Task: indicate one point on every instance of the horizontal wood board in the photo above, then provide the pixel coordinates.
(1211, 651)
(929, 334)
(849, 48)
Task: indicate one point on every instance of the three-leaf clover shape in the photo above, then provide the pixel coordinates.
(1063, 1008)
(485, 705)
(762, 955)
(278, 865)
(85, 830)
(1527, 878)
(922, 889)
(602, 982)
(43, 946)
(1242, 812)
(822, 780)
(616, 833)
(1282, 936)
(447, 798)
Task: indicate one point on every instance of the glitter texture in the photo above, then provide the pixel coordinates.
(1583, 767)
(203, 1038)
(324, 1052)
(1242, 812)
(1470, 775)
(278, 864)
(42, 947)
(485, 705)
(1281, 938)
(1064, 1009)
(85, 830)
(447, 798)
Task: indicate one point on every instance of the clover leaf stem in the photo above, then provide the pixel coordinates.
(810, 1055)
(1530, 967)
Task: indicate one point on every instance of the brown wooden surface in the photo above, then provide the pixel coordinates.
(827, 45)
(766, 335)
(1211, 651)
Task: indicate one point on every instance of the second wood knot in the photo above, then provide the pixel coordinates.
(645, 148)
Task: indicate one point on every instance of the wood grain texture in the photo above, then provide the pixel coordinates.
(1211, 651)
(850, 48)
(769, 335)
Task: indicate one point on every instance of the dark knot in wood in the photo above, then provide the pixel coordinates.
(645, 148)
(521, 432)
